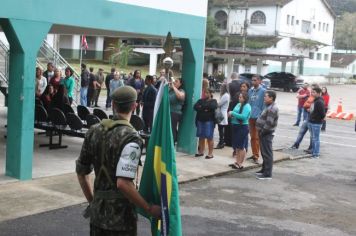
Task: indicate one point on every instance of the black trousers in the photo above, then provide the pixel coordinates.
(96, 231)
(108, 98)
(228, 135)
(267, 153)
(221, 134)
(175, 119)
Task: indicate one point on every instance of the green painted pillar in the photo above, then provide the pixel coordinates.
(192, 74)
(25, 38)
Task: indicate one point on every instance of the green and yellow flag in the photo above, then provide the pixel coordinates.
(159, 183)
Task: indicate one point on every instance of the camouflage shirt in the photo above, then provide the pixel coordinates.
(103, 146)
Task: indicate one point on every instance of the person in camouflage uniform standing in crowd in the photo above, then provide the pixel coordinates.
(113, 149)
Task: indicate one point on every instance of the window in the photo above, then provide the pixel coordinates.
(326, 57)
(297, 22)
(319, 26)
(292, 21)
(288, 19)
(327, 27)
(323, 26)
(258, 17)
(311, 55)
(221, 20)
(247, 68)
(306, 27)
(318, 56)
(314, 26)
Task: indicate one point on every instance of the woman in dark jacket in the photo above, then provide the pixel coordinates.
(47, 96)
(60, 98)
(138, 84)
(148, 103)
(205, 108)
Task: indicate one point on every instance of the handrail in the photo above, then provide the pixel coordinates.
(50, 54)
(47, 52)
(5, 75)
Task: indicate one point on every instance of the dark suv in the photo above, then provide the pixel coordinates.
(286, 81)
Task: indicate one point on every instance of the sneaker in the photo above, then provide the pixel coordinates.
(259, 173)
(255, 161)
(315, 157)
(251, 157)
(264, 177)
(296, 124)
(308, 151)
(293, 147)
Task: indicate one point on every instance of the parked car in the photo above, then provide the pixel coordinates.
(248, 76)
(284, 80)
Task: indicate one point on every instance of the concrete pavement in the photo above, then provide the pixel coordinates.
(18, 199)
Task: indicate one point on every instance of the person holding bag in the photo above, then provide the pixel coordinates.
(223, 107)
(205, 122)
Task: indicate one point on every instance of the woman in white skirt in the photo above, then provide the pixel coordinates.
(223, 106)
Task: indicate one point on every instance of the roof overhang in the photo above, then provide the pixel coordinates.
(252, 55)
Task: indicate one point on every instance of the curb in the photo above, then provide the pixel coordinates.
(288, 157)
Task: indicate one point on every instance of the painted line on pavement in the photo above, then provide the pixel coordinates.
(336, 144)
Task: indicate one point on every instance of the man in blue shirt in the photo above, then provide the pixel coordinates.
(256, 101)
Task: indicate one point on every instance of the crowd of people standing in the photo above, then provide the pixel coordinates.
(247, 109)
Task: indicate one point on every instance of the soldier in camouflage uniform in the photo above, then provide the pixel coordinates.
(113, 149)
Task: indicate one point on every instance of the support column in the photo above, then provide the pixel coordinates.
(76, 46)
(25, 39)
(99, 48)
(284, 65)
(230, 66)
(153, 63)
(192, 74)
(259, 66)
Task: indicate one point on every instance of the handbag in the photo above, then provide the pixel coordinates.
(219, 116)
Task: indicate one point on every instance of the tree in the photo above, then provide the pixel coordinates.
(345, 37)
(120, 54)
(213, 39)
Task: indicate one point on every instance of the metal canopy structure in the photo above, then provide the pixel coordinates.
(26, 24)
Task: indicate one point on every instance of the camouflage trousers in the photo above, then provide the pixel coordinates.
(96, 231)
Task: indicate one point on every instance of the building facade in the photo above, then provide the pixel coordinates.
(301, 28)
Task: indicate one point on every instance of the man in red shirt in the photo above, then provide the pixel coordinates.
(303, 94)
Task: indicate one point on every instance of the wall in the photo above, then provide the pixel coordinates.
(237, 18)
(314, 11)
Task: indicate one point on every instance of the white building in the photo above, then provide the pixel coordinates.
(301, 28)
(343, 65)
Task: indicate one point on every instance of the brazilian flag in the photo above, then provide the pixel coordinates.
(159, 183)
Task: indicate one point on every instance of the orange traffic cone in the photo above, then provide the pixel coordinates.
(339, 106)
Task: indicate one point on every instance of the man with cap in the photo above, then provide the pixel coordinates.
(113, 149)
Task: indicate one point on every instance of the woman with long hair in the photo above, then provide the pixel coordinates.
(223, 105)
(41, 82)
(326, 97)
(205, 108)
(69, 83)
(176, 102)
(47, 96)
(56, 80)
(239, 119)
(138, 84)
(60, 98)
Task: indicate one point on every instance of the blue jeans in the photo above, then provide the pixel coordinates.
(301, 111)
(315, 138)
(83, 96)
(302, 131)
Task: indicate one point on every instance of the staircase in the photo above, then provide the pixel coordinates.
(4, 70)
(46, 54)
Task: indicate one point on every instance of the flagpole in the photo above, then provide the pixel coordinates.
(81, 51)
